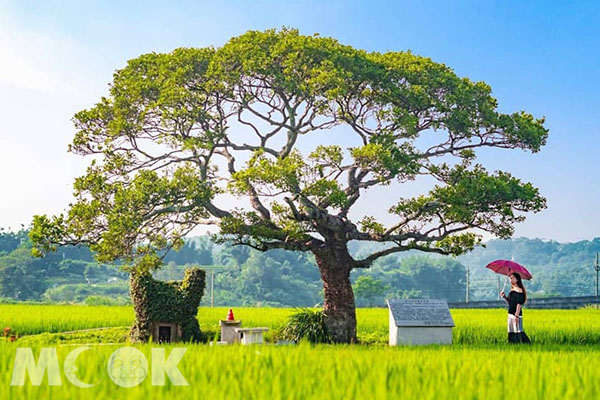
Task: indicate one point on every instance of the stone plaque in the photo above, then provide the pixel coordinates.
(420, 312)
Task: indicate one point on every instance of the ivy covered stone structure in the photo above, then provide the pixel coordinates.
(166, 311)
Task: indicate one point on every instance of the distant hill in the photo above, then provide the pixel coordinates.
(243, 276)
(564, 269)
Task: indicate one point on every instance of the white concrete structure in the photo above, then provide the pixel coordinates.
(419, 321)
(251, 335)
(228, 333)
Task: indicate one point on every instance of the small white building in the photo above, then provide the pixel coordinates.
(419, 321)
(251, 335)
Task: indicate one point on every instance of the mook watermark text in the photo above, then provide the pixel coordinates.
(126, 367)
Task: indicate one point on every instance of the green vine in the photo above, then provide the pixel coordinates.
(170, 302)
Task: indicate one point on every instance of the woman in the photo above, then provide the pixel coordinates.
(515, 299)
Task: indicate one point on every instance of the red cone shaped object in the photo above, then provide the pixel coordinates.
(230, 316)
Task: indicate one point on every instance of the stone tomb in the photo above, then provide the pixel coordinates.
(416, 321)
(165, 332)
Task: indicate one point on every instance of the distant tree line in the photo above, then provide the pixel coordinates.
(246, 277)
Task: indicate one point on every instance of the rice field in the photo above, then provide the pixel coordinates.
(472, 326)
(562, 362)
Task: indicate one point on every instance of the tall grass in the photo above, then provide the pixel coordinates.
(339, 372)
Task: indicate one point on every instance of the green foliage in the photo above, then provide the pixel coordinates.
(192, 253)
(9, 241)
(282, 174)
(323, 191)
(80, 292)
(327, 156)
(170, 86)
(387, 159)
(167, 120)
(368, 288)
(475, 198)
(172, 302)
(21, 276)
(106, 301)
(412, 276)
(275, 278)
(370, 225)
(289, 174)
(307, 324)
(309, 67)
(459, 244)
(286, 278)
(249, 228)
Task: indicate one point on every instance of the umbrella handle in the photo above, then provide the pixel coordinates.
(504, 286)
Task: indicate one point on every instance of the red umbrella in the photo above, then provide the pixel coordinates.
(506, 267)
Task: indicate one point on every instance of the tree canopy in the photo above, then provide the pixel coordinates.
(180, 131)
(183, 132)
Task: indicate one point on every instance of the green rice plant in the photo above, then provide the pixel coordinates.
(473, 326)
(85, 336)
(31, 319)
(560, 364)
(334, 372)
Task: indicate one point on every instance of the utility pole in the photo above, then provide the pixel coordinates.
(212, 288)
(597, 268)
(467, 295)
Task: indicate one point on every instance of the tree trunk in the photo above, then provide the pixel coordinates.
(335, 266)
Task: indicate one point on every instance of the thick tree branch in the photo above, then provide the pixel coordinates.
(416, 243)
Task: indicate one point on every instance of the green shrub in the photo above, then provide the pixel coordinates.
(80, 291)
(307, 324)
(106, 301)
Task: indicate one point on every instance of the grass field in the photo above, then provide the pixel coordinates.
(562, 362)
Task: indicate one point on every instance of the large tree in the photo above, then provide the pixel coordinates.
(212, 136)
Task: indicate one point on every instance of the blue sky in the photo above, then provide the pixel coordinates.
(538, 56)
